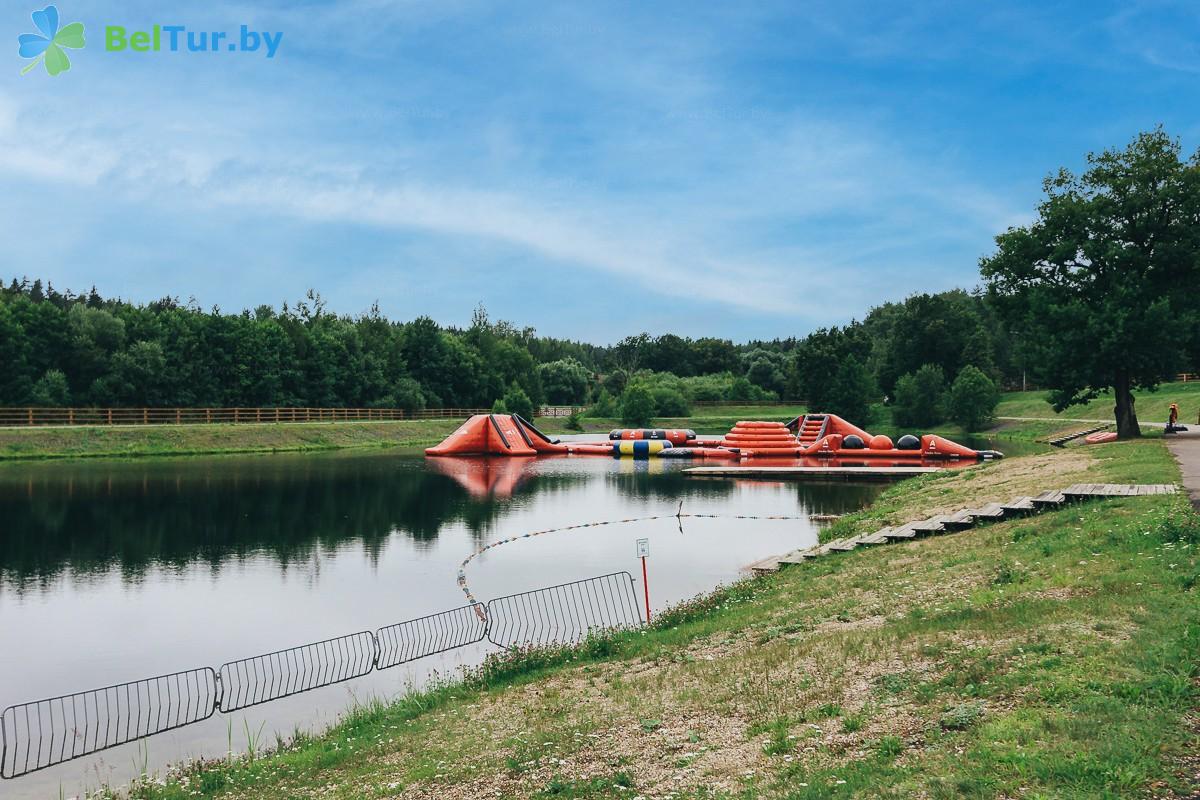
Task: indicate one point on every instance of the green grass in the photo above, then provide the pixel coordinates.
(1151, 406)
(156, 440)
(1051, 656)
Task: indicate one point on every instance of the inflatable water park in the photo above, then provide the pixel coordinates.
(810, 436)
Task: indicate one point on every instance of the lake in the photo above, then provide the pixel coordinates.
(113, 571)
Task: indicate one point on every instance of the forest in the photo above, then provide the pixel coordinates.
(61, 348)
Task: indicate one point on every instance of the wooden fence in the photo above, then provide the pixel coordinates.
(33, 416)
(205, 416)
(748, 403)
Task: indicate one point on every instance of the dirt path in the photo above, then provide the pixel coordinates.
(1186, 449)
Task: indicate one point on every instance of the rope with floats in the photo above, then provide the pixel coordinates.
(678, 516)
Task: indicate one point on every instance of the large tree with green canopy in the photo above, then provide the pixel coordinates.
(1103, 288)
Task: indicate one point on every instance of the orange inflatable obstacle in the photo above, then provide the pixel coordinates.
(513, 435)
(825, 436)
(679, 438)
(828, 435)
(487, 434)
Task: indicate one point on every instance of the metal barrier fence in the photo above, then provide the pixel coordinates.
(427, 636)
(43, 733)
(33, 416)
(283, 673)
(563, 614)
(47, 732)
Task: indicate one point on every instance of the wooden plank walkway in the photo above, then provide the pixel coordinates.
(1061, 441)
(965, 518)
(812, 473)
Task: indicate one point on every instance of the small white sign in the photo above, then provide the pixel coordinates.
(643, 548)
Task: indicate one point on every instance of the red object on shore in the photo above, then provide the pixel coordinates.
(1100, 437)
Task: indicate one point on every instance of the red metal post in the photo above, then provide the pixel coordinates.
(646, 588)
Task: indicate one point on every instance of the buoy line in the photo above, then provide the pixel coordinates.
(678, 515)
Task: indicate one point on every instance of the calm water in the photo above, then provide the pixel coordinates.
(114, 571)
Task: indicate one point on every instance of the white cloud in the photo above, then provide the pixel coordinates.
(646, 166)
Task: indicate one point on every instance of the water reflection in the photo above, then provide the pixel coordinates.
(93, 517)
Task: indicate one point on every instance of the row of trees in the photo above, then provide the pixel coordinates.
(63, 349)
(60, 349)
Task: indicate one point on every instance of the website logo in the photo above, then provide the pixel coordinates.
(47, 47)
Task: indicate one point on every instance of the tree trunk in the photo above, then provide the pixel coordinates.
(1127, 424)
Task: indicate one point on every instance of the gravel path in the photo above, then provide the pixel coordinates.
(1186, 449)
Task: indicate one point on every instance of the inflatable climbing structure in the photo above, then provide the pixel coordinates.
(823, 436)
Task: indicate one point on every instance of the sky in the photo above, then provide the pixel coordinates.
(592, 169)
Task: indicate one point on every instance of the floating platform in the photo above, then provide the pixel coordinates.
(817, 436)
(813, 473)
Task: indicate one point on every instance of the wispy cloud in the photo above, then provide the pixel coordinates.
(684, 242)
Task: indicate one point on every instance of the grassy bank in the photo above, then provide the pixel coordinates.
(1151, 406)
(157, 440)
(1054, 656)
(154, 440)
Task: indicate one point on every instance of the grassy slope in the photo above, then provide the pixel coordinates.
(81, 442)
(1054, 656)
(99, 441)
(18, 443)
(1151, 406)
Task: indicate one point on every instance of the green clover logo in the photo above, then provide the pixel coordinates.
(47, 47)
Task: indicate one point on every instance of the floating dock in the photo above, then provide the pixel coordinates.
(813, 473)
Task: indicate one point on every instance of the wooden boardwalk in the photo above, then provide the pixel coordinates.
(813, 473)
(965, 518)
(1061, 441)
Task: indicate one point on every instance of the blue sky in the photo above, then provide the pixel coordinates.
(591, 169)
